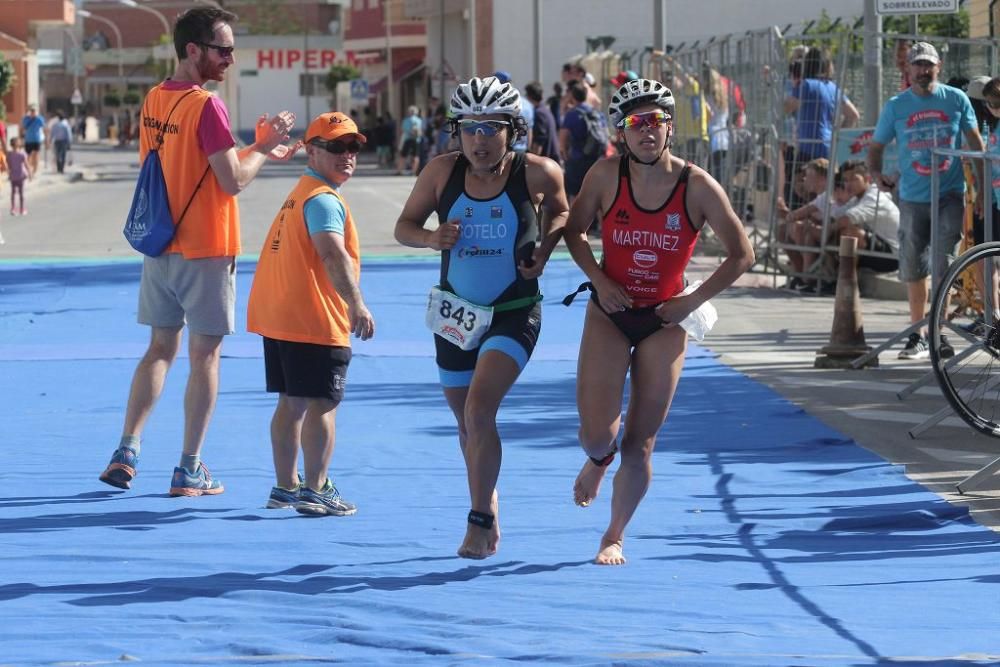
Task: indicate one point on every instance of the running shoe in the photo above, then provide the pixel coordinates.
(200, 483)
(916, 348)
(326, 501)
(945, 350)
(121, 470)
(282, 498)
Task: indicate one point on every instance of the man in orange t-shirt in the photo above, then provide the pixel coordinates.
(311, 251)
(193, 281)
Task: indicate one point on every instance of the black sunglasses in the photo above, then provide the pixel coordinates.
(223, 51)
(339, 147)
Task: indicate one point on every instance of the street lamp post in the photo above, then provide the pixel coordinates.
(132, 4)
(118, 36)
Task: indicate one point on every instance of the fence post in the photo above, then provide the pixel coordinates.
(873, 63)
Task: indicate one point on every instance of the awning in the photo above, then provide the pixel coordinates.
(400, 72)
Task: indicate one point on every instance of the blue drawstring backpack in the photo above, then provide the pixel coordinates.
(149, 227)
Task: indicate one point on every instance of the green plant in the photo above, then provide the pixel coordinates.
(112, 99)
(7, 79)
(131, 98)
(338, 73)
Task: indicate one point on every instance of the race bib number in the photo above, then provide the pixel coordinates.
(456, 320)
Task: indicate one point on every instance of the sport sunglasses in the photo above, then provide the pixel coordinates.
(340, 147)
(223, 51)
(651, 119)
(487, 128)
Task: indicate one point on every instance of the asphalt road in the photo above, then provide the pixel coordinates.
(767, 333)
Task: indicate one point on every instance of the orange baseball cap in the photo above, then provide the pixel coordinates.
(331, 126)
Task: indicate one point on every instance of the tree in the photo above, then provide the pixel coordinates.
(338, 73)
(931, 25)
(7, 79)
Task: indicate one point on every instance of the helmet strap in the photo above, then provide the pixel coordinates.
(495, 169)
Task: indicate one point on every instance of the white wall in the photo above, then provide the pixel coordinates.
(565, 24)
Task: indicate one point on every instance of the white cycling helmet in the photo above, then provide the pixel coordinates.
(484, 96)
(634, 94)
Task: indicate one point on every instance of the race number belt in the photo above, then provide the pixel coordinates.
(462, 322)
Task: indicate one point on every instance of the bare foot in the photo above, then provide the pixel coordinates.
(610, 553)
(479, 542)
(588, 483)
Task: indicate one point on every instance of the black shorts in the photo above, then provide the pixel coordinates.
(878, 264)
(410, 148)
(637, 324)
(978, 225)
(306, 370)
(513, 332)
(32, 147)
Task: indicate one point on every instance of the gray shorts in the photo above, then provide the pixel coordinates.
(915, 236)
(199, 292)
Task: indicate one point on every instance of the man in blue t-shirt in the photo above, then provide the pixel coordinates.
(927, 115)
(573, 138)
(33, 131)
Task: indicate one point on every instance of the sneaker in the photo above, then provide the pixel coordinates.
(24, 211)
(121, 470)
(327, 501)
(916, 348)
(282, 498)
(945, 350)
(13, 211)
(185, 483)
(793, 283)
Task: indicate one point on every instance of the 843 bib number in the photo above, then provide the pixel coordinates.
(456, 320)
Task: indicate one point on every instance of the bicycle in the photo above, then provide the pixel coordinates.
(970, 380)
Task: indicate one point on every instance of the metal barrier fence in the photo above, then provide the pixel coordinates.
(733, 117)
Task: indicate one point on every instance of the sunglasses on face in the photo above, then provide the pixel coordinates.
(487, 128)
(651, 119)
(340, 147)
(223, 51)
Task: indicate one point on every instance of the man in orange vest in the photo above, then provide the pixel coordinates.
(193, 281)
(311, 251)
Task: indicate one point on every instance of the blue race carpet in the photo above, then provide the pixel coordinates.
(766, 538)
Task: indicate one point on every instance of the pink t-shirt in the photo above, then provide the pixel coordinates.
(17, 164)
(214, 132)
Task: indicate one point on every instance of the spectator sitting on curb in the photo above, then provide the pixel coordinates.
(870, 216)
(791, 227)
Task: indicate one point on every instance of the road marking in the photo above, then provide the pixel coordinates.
(866, 385)
(914, 418)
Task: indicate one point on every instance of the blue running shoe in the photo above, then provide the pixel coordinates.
(327, 501)
(185, 483)
(282, 498)
(121, 470)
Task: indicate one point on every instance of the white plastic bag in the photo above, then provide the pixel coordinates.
(702, 319)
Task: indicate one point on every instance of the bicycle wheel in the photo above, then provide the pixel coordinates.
(971, 380)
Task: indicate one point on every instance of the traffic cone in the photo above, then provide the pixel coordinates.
(847, 335)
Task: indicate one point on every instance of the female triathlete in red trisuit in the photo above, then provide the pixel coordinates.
(652, 206)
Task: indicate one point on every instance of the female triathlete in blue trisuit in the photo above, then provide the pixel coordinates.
(485, 312)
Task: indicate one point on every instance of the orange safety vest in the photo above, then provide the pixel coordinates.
(211, 226)
(292, 298)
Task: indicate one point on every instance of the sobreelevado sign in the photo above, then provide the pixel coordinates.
(916, 6)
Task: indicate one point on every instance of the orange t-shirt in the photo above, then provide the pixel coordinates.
(211, 226)
(292, 298)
